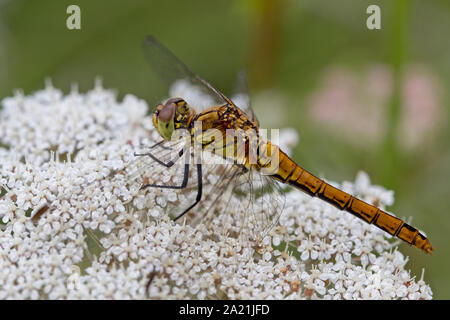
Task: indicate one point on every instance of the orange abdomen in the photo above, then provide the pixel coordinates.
(291, 173)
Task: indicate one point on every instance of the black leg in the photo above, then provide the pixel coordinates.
(156, 144)
(182, 186)
(185, 178)
(159, 143)
(199, 192)
(168, 164)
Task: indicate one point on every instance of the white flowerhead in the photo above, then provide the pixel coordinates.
(75, 223)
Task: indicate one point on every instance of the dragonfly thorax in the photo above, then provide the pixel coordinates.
(172, 115)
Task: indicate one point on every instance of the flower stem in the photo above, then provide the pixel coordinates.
(391, 154)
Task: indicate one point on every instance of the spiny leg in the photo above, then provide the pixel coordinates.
(199, 191)
(182, 186)
(159, 143)
(185, 179)
(153, 147)
(168, 164)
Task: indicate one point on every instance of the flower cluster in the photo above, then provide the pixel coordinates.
(76, 224)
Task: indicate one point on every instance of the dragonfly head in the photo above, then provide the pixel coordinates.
(172, 115)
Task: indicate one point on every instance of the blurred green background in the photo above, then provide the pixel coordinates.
(372, 100)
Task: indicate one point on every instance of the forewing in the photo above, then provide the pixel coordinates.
(260, 200)
(241, 95)
(181, 81)
(215, 180)
(238, 203)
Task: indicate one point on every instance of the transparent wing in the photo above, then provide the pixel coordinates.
(259, 200)
(145, 170)
(241, 96)
(235, 202)
(181, 81)
(216, 178)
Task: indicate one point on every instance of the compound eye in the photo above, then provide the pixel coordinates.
(182, 106)
(176, 101)
(167, 113)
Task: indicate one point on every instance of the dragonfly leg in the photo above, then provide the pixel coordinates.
(154, 146)
(199, 192)
(182, 186)
(168, 164)
(159, 143)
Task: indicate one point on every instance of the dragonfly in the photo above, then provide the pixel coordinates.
(253, 185)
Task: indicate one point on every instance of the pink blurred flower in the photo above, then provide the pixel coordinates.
(355, 105)
(422, 113)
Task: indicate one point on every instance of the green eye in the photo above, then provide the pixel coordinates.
(166, 124)
(166, 129)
